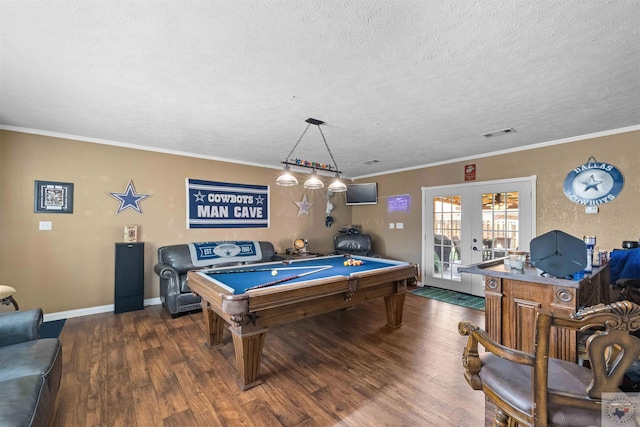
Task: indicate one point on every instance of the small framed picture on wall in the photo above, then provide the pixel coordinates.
(130, 233)
(53, 197)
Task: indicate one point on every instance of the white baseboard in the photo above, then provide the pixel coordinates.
(91, 310)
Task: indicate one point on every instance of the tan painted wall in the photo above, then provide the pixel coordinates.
(72, 266)
(617, 221)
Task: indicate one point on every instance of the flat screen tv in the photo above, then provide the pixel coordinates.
(362, 194)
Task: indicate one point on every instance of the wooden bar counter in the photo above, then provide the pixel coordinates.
(512, 296)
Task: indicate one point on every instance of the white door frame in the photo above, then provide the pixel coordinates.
(477, 287)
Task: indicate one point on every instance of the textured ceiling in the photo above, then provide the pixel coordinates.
(408, 83)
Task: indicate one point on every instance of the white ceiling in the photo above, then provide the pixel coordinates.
(408, 83)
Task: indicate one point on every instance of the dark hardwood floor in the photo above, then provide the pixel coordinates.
(344, 368)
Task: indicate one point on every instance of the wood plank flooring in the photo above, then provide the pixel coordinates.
(345, 368)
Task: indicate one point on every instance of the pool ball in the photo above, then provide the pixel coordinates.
(274, 272)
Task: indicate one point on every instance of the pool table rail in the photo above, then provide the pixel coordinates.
(236, 307)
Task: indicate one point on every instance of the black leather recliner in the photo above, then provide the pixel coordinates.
(173, 264)
(353, 244)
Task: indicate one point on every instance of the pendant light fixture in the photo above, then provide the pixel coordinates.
(314, 182)
(286, 179)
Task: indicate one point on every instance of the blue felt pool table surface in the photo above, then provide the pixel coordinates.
(239, 279)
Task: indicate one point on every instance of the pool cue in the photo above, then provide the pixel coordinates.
(286, 279)
(254, 270)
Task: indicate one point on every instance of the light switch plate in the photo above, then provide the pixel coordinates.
(591, 209)
(45, 225)
(399, 225)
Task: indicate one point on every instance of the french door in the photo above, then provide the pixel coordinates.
(470, 223)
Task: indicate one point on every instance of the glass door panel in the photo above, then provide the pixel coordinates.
(471, 223)
(447, 228)
(500, 224)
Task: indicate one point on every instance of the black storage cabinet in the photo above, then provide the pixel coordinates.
(129, 278)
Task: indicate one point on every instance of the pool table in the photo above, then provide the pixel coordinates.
(253, 298)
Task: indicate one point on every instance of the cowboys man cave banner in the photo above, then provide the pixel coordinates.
(223, 205)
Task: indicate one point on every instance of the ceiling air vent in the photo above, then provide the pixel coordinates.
(498, 132)
(370, 162)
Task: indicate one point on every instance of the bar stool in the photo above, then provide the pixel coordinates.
(6, 296)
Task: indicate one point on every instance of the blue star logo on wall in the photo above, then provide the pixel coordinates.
(592, 183)
(129, 199)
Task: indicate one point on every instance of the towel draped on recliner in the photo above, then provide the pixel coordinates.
(205, 254)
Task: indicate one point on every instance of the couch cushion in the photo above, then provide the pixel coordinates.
(188, 301)
(25, 401)
(35, 357)
(184, 286)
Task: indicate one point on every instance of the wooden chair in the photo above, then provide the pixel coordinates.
(535, 390)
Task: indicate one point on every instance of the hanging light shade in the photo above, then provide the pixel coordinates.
(286, 179)
(337, 186)
(314, 182)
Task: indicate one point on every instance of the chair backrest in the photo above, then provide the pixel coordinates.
(179, 257)
(611, 349)
(353, 244)
(614, 346)
(553, 389)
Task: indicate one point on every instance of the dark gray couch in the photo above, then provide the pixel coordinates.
(173, 264)
(30, 370)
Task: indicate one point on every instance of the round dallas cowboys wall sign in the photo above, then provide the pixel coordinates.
(593, 183)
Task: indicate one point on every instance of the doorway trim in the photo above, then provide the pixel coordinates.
(532, 179)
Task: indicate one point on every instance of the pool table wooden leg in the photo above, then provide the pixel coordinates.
(394, 304)
(248, 349)
(214, 324)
